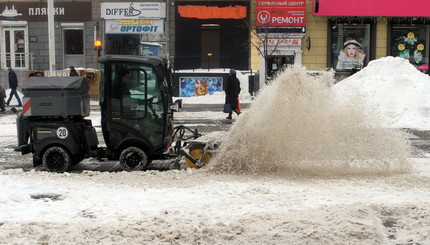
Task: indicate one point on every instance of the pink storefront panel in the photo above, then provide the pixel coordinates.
(417, 8)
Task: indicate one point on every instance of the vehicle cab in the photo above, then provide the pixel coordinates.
(135, 100)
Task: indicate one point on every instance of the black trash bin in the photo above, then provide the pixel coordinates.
(253, 83)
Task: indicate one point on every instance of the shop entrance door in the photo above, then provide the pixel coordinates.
(210, 46)
(73, 39)
(14, 47)
(277, 63)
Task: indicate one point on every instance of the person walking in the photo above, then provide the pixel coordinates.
(13, 84)
(232, 91)
(73, 72)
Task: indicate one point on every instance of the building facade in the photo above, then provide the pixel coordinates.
(24, 35)
(373, 29)
(134, 28)
(211, 34)
(260, 35)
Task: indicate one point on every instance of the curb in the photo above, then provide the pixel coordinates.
(211, 106)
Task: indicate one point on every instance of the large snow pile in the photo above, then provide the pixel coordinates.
(297, 124)
(393, 88)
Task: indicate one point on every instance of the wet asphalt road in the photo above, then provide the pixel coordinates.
(9, 158)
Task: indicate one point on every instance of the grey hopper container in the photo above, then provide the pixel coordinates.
(56, 96)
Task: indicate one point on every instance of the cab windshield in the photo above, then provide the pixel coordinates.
(135, 92)
(135, 98)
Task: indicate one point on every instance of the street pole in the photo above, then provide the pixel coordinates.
(51, 36)
(167, 30)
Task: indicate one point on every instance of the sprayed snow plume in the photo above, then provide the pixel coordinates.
(297, 125)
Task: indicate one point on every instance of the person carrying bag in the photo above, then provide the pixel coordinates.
(227, 108)
(232, 91)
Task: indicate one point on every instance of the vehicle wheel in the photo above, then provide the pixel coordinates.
(196, 152)
(133, 159)
(56, 159)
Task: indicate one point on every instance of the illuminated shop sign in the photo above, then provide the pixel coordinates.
(416, 8)
(135, 26)
(212, 12)
(285, 42)
(281, 13)
(134, 10)
(38, 11)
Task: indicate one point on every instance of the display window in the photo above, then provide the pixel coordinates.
(410, 42)
(74, 41)
(350, 46)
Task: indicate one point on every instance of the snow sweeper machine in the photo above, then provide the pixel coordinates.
(136, 109)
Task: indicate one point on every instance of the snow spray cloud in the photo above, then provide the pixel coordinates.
(298, 126)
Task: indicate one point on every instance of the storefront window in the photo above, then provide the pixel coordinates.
(277, 63)
(127, 44)
(409, 42)
(73, 41)
(349, 46)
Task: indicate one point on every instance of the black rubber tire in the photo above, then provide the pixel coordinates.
(133, 159)
(56, 159)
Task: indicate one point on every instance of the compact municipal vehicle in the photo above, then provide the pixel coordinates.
(136, 118)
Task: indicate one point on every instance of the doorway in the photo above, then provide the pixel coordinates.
(277, 63)
(14, 47)
(73, 41)
(210, 46)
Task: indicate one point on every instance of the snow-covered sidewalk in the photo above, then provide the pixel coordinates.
(199, 207)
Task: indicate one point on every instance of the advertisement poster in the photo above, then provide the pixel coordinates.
(351, 56)
(199, 86)
(281, 13)
(350, 46)
(150, 50)
(410, 48)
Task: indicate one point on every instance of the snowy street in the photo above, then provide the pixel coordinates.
(196, 207)
(301, 165)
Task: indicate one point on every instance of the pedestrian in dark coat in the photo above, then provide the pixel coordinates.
(73, 72)
(13, 84)
(232, 91)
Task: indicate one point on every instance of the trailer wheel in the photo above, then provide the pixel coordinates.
(133, 159)
(56, 159)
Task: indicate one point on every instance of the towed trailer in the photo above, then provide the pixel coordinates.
(136, 118)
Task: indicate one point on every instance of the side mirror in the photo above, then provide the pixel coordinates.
(176, 106)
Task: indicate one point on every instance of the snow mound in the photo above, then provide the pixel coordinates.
(297, 126)
(394, 89)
